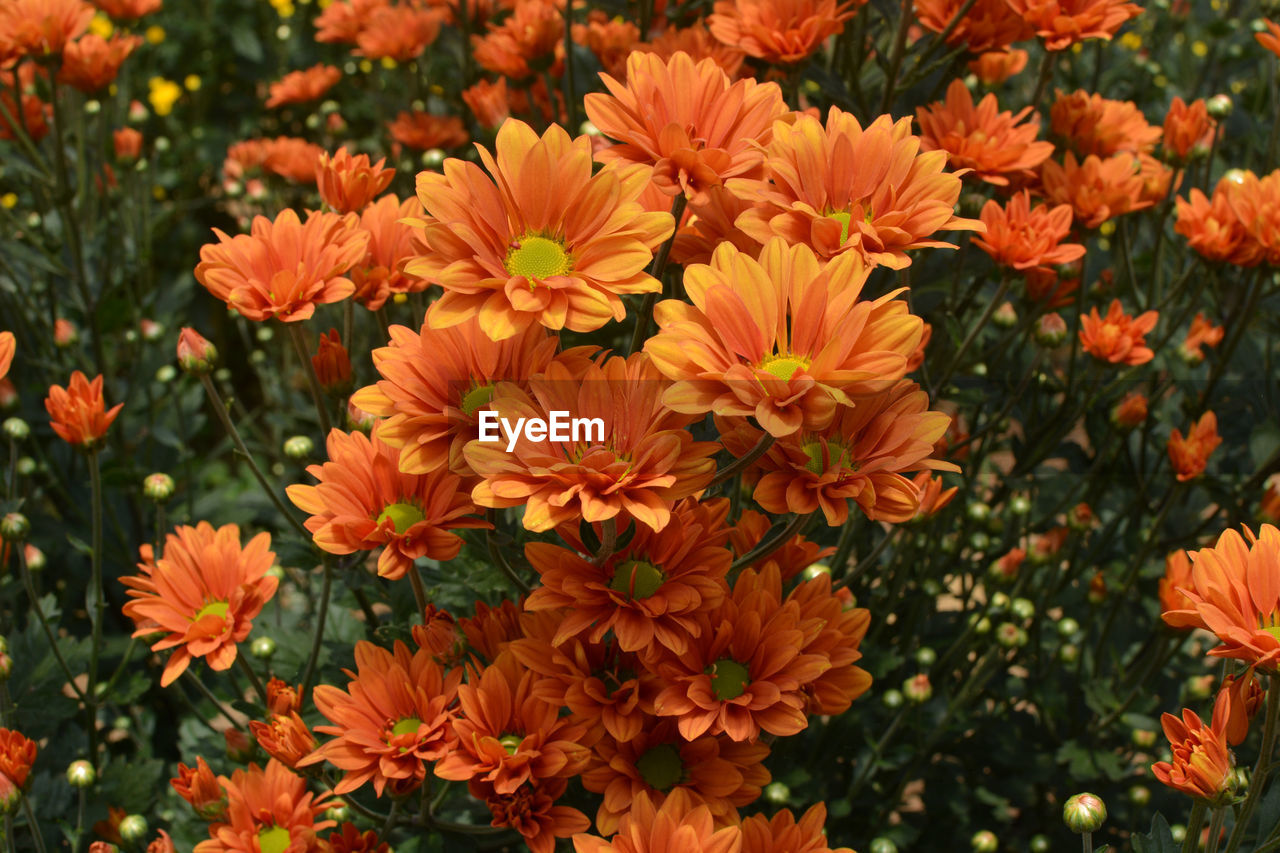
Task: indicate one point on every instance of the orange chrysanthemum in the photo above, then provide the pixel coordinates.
(526, 41)
(1190, 455)
(1202, 763)
(291, 158)
(41, 27)
(993, 67)
(794, 556)
(91, 62)
(688, 121)
(391, 242)
(681, 822)
(284, 737)
(78, 414)
(17, 754)
(394, 716)
(200, 788)
(283, 269)
(1213, 228)
(202, 594)
(1256, 202)
(268, 811)
(612, 40)
(1096, 189)
(784, 339)
(1117, 338)
(784, 834)
(697, 41)
(780, 32)
(1188, 129)
(1092, 124)
(531, 811)
(1177, 577)
(343, 20)
(841, 188)
(1201, 334)
(505, 253)
(364, 502)
(128, 10)
(633, 459)
(398, 33)
(8, 345)
(348, 183)
(491, 103)
(421, 130)
(933, 497)
(988, 25)
(352, 840)
(837, 642)
(300, 87)
(1271, 38)
(1062, 23)
(988, 143)
(1023, 238)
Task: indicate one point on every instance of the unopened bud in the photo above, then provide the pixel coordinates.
(1143, 738)
(984, 841)
(195, 354)
(35, 557)
(1068, 653)
(262, 647)
(133, 828)
(978, 511)
(338, 811)
(1051, 331)
(1023, 608)
(777, 793)
(881, 844)
(1011, 636)
(1140, 795)
(1219, 106)
(815, 570)
(1006, 317)
(158, 487)
(917, 689)
(298, 447)
(433, 158)
(332, 365)
(892, 699)
(80, 774)
(1067, 627)
(1039, 844)
(1084, 813)
(16, 429)
(14, 527)
(926, 656)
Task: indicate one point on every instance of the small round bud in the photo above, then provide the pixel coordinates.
(35, 557)
(337, 811)
(926, 656)
(881, 844)
(1039, 844)
(433, 158)
(814, 570)
(195, 354)
(14, 527)
(1084, 813)
(917, 689)
(1219, 106)
(1051, 331)
(979, 369)
(16, 429)
(1011, 636)
(262, 647)
(166, 373)
(1022, 608)
(1140, 795)
(277, 572)
(588, 129)
(1006, 316)
(892, 699)
(133, 828)
(298, 447)
(777, 793)
(158, 487)
(1178, 832)
(1068, 653)
(978, 511)
(1019, 505)
(984, 841)
(80, 774)
(979, 541)
(930, 586)
(1068, 626)
(999, 602)
(1199, 686)
(981, 624)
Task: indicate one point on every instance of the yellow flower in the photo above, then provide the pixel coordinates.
(191, 82)
(9, 201)
(101, 25)
(163, 95)
(155, 34)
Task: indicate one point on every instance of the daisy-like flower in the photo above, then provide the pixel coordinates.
(783, 339)
(352, 840)
(398, 33)
(1201, 334)
(1092, 124)
(17, 754)
(42, 27)
(780, 32)
(525, 41)
(838, 642)
(1117, 338)
(391, 242)
(1063, 23)
(1202, 765)
(503, 252)
(686, 120)
(1213, 228)
(633, 459)
(531, 811)
(394, 716)
(842, 188)
(291, 158)
(421, 131)
(989, 143)
(1177, 577)
(268, 811)
(1256, 203)
(91, 63)
(1190, 455)
(679, 823)
(784, 834)
(284, 269)
(988, 25)
(993, 67)
(491, 103)
(697, 41)
(284, 737)
(348, 183)
(300, 87)
(201, 789)
(364, 502)
(201, 595)
(1188, 130)
(1096, 189)
(342, 21)
(77, 413)
(612, 40)
(1024, 238)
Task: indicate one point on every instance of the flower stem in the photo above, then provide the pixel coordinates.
(1086, 839)
(298, 336)
(36, 835)
(214, 700)
(796, 525)
(419, 592)
(253, 678)
(1258, 781)
(99, 607)
(44, 623)
(656, 270)
(742, 463)
(322, 613)
(1215, 828)
(1191, 843)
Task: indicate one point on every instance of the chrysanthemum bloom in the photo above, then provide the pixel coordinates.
(1177, 577)
(717, 772)
(35, 114)
(531, 811)
(525, 42)
(612, 40)
(292, 158)
(841, 188)
(1096, 189)
(989, 25)
(352, 840)
(17, 754)
(837, 641)
(398, 33)
(492, 628)
(1201, 334)
(200, 788)
(343, 20)
(348, 183)
(1117, 338)
(42, 27)
(421, 130)
(1190, 455)
(300, 87)
(284, 737)
(283, 697)
(283, 269)
(1271, 38)
(680, 823)
(650, 591)
(78, 414)
(490, 103)
(507, 736)
(1062, 23)
(1256, 202)
(697, 41)
(1212, 226)
(784, 339)
(686, 120)
(332, 365)
(1130, 412)
(633, 458)
(1023, 238)
(1202, 763)
(268, 811)
(1188, 130)
(780, 32)
(504, 253)
(8, 345)
(90, 63)
(993, 67)
(989, 143)
(784, 834)
(393, 717)
(1157, 178)
(364, 502)
(707, 224)
(1092, 124)
(795, 555)
(202, 594)
(933, 498)
(128, 10)
(126, 142)
(391, 242)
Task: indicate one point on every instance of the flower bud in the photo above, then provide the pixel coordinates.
(984, 841)
(917, 689)
(1178, 832)
(978, 511)
(1199, 686)
(14, 527)
(359, 419)
(881, 844)
(195, 354)
(158, 487)
(262, 647)
(1023, 608)
(815, 570)
(64, 333)
(151, 330)
(337, 811)
(433, 158)
(1084, 813)
(777, 793)
(981, 624)
(1011, 636)
(80, 774)
(1098, 588)
(999, 602)
(1068, 653)
(1219, 106)
(1067, 626)
(133, 828)
(1051, 331)
(16, 429)
(35, 557)
(1019, 505)
(892, 699)
(1005, 317)
(926, 656)
(1039, 844)
(298, 447)
(1081, 517)
(332, 365)
(1140, 795)
(1143, 738)
(128, 144)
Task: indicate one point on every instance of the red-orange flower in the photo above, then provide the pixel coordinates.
(698, 42)
(394, 716)
(42, 27)
(993, 67)
(1271, 38)
(989, 143)
(78, 414)
(91, 62)
(300, 87)
(283, 269)
(1062, 23)
(1024, 238)
(1190, 455)
(1130, 412)
(1202, 763)
(352, 840)
(784, 834)
(989, 25)
(490, 103)
(201, 594)
(421, 130)
(200, 788)
(1177, 576)
(1096, 189)
(282, 697)
(612, 40)
(17, 754)
(525, 42)
(1188, 129)
(933, 497)
(1256, 202)
(285, 737)
(267, 811)
(1117, 338)
(127, 10)
(1201, 334)
(127, 144)
(332, 365)
(784, 339)
(1092, 124)
(531, 811)
(1212, 226)
(398, 33)
(343, 20)
(348, 183)
(680, 823)
(781, 32)
(8, 345)
(391, 242)
(686, 120)
(291, 158)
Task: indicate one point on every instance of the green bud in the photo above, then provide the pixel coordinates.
(1019, 505)
(14, 527)
(978, 511)
(80, 774)
(1068, 627)
(1084, 813)
(892, 699)
(1068, 653)
(133, 828)
(16, 429)
(882, 845)
(1039, 844)
(984, 841)
(262, 647)
(777, 793)
(926, 656)
(158, 487)
(1023, 608)
(1140, 795)
(298, 447)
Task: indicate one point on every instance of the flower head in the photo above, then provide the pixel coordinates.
(398, 33)
(988, 25)
(300, 87)
(1092, 124)
(347, 184)
(1201, 334)
(993, 67)
(531, 810)
(78, 413)
(268, 811)
(421, 130)
(681, 822)
(1202, 764)
(1177, 577)
(1096, 189)
(1188, 129)
(17, 754)
(1190, 455)
(1024, 238)
(989, 143)
(200, 788)
(1117, 338)
(780, 32)
(784, 834)
(41, 27)
(1063, 23)
(1213, 227)
(91, 63)
(284, 737)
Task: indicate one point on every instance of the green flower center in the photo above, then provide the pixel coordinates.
(217, 608)
(784, 366)
(728, 679)
(1273, 630)
(637, 579)
(274, 840)
(510, 743)
(661, 767)
(825, 456)
(402, 515)
(538, 257)
(406, 726)
(843, 218)
(479, 396)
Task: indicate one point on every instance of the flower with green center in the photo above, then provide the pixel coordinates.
(511, 743)
(274, 839)
(214, 608)
(402, 515)
(825, 456)
(479, 396)
(536, 258)
(661, 767)
(784, 366)
(636, 578)
(405, 726)
(842, 217)
(729, 679)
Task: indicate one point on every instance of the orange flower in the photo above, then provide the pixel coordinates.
(342, 21)
(784, 339)
(1190, 455)
(291, 158)
(1213, 228)
(784, 834)
(1062, 23)
(504, 253)
(933, 498)
(1187, 129)
(267, 810)
(795, 555)
(199, 787)
(993, 67)
(1027, 239)
(842, 188)
(1092, 124)
(1245, 700)
(42, 27)
(1271, 38)
(612, 40)
(987, 142)
(698, 42)
(688, 121)
(34, 118)
(351, 840)
(347, 184)
(8, 345)
(650, 591)
(989, 25)
(17, 754)
(1269, 506)
(835, 644)
(78, 413)
(127, 10)
(393, 717)
(1256, 202)
(781, 32)
(283, 698)
(300, 87)
(531, 811)
(1096, 189)
(1202, 764)
(490, 103)
(680, 823)
(285, 737)
(127, 144)
(202, 595)
(1130, 412)
(398, 33)
(332, 365)
(363, 502)
(91, 62)
(1202, 333)
(391, 243)
(1117, 338)
(525, 42)
(421, 130)
(1177, 577)
(283, 269)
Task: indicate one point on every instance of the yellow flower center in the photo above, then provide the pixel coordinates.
(843, 218)
(538, 257)
(217, 608)
(661, 767)
(402, 515)
(479, 396)
(728, 679)
(784, 366)
(274, 840)
(1273, 630)
(637, 579)
(406, 726)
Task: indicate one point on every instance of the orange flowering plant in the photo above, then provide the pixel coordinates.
(743, 426)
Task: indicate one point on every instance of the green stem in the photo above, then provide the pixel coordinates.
(1258, 780)
(742, 463)
(1042, 82)
(1215, 828)
(656, 270)
(896, 52)
(99, 607)
(214, 700)
(1191, 843)
(1086, 839)
(322, 613)
(36, 835)
(796, 525)
(253, 678)
(419, 592)
(25, 571)
(298, 336)
(972, 335)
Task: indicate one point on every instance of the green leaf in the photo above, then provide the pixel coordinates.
(132, 785)
(1159, 840)
(245, 42)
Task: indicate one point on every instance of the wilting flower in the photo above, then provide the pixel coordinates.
(988, 25)
(201, 594)
(1096, 189)
(42, 27)
(784, 834)
(422, 131)
(267, 811)
(393, 716)
(363, 502)
(17, 754)
(91, 62)
(1187, 129)
(1213, 227)
(199, 787)
(284, 737)
(1201, 334)
(1024, 238)
(1092, 124)
(680, 823)
(1202, 764)
(780, 32)
(993, 67)
(1190, 455)
(300, 87)
(1062, 23)
(784, 339)
(1117, 338)
(78, 414)
(989, 143)
(283, 269)
(348, 183)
